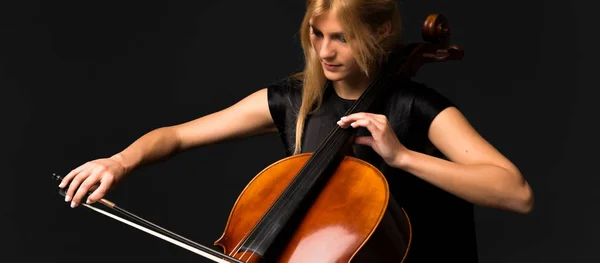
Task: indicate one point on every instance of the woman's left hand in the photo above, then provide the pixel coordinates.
(383, 140)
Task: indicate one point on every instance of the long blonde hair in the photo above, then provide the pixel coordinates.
(359, 19)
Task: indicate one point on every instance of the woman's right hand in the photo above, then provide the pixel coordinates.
(98, 176)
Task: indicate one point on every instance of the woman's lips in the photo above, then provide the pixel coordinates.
(331, 67)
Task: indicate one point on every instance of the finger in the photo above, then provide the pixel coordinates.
(101, 190)
(70, 176)
(343, 124)
(353, 117)
(75, 184)
(93, 188)
(84, 189)
(371, 125)
(364, 140)
(347, 121)
(359, 115)
(364, 115)
(380, 118)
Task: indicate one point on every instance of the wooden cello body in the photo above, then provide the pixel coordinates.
(352, 208)
(326, 206)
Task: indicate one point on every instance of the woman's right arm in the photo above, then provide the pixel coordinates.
(250, 116)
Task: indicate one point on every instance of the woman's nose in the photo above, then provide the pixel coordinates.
(327, 51)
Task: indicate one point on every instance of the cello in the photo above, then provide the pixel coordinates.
(294, 209)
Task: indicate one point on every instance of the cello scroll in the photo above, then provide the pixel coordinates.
(437, 48)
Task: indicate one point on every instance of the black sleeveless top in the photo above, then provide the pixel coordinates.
(443, 224)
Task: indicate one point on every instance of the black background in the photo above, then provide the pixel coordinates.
(81, 80)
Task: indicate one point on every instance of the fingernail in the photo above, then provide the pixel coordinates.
(342, 118)
(88, 202)
(60, 185)
(73, 204)
(67, 198)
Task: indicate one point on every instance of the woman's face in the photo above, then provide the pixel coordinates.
(330, 45)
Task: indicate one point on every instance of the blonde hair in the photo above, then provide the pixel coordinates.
(360, 19)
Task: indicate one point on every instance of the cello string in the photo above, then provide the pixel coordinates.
(291, 193)
(284, 203)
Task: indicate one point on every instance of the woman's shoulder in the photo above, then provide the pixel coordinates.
(419, 94)
(420, 100)
(285, 90)
(292, 83)
(284, 96)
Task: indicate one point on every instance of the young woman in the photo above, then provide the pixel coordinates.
(436, 164)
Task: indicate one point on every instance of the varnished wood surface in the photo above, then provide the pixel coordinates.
(341, 221)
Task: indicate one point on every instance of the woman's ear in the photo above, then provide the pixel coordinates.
(384, 30)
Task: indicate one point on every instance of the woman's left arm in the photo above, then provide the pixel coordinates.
(476, 172)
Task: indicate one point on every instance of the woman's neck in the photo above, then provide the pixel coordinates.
(350, 88)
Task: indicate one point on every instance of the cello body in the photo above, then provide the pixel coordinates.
(352, 219)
